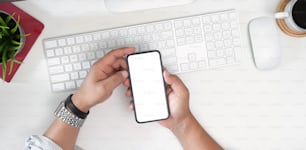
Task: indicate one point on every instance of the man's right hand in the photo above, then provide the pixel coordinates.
(181, 121)
(178, 97)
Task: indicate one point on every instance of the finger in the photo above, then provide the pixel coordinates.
(114, 80)
(131, 106)
(175, 82)
(126, 82)
(169, 90)
(128, 93)
(112, 56)
(120, 63)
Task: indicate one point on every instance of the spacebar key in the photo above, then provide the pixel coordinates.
(59, 78)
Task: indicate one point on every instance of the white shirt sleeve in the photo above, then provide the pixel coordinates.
(39, 142)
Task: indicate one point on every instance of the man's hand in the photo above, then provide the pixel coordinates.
(104, 76)
(178, 97)
(181, 122)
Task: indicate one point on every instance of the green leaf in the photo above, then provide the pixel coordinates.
(4, 27)
(15, 42)
(4, 61)
(25, 35)
(16, 48)
(12, 57)
(9, 18)
(18, 62)
(3, 45)
(4, 31)
(13, 31)
(2, 22)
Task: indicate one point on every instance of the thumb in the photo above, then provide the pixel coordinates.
(175, 82)
(115, 80)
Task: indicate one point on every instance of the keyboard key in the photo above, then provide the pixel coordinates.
(202, 64)
(184, 67)
(196, 21)
(123, 32)
(82, 57)
(91, 55)
(85, 47)
(74, 75)
(53, 61)
(77, 66)
(79, 82)
(85, 65)
(220, 53)
(59, 78)
(215, 18)
(94, 46)
(82, 74)
(58, 87)
(70, 41)
(169, 60)
(88, 38)
(73, 58)
(76, 49)
(179, 32)
(206, 20)
(173, 68)
(211, 54)
(50, 44)
(62, 42)
(65, 59)
(56, 70)
(79, 39)
(96, 36)
(168, 52)
(150, 28)
(50, 53)
(67, 50)
(68, 68)
(217, 62)
(105, 35)
(70, 85)
(207, 28)
(59, 52)
(192, 57)
(193, 65)
(187, 23)
(178, 24)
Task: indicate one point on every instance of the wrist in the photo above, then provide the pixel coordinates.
(183, 125)
(79, 103)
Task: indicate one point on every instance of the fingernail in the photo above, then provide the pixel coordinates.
(124, 74)
(166, 71)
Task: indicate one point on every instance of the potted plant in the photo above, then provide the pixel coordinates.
(12, 40)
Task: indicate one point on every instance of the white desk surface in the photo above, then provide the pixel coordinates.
(241, 107)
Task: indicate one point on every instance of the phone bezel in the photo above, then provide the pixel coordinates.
(165, 87)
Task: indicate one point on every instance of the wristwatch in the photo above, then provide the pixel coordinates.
(67, 116)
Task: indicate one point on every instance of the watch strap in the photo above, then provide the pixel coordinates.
(69, 105)
(68, 117)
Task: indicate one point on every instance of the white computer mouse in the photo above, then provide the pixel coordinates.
(265, 43)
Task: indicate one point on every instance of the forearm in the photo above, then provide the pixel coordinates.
(62, 134)
(193, 137)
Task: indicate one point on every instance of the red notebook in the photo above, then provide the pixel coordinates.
(30, 26)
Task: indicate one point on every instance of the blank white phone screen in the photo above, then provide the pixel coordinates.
(148, 88)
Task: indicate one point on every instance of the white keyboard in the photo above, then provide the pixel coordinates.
(186, 44)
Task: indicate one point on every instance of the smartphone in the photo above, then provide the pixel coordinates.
(148, 86)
